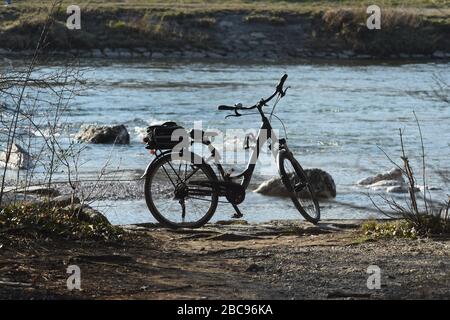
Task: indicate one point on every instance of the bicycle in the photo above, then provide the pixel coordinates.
(182, 189)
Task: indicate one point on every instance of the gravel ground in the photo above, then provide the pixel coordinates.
(276, 260)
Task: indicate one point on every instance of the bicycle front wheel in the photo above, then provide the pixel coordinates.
(297, 183)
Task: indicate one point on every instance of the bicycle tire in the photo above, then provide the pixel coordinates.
(310, 212)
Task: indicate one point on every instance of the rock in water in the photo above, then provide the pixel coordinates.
(386, 185)
(19, 157)
(273, 187)
(87, 214)
(321, 181)
(393, 174)
(391, 181)
(104, 134)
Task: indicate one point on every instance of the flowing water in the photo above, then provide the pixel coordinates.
(336, 114)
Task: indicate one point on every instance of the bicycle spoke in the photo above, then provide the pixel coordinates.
(179, 168)
(173, 169)
(168, 175)
(196, 198)
(193, 172)
(298, 187)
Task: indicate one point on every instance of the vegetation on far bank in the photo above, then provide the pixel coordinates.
(417, 26)
(213, 5)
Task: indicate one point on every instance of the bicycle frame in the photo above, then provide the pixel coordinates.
(261, 139)
(264, 134)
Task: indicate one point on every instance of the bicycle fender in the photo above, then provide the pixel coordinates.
(151, 162)
(281, 153)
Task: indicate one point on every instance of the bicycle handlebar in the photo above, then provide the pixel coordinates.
(279, 90)
(281, 84)
(223, 107)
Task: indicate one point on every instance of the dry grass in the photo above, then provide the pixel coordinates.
(218, 5)
(265, 19)
(150, 23)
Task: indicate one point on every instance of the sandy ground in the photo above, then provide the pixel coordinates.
(276, 260)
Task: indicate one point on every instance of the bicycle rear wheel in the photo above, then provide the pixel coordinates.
(179, 193)
(297, 183)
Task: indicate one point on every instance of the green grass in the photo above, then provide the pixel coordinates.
(389, 229)
(423, 227)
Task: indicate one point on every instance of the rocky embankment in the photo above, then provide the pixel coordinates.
(234, 34)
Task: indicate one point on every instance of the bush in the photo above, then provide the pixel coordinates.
(46, 221)
(424, 216)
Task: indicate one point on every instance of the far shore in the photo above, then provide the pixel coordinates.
(234, 30)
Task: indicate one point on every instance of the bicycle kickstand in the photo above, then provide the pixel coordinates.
(238, 213)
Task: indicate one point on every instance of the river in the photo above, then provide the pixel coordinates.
(337, 115)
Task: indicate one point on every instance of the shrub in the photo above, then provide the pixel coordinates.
(389, 229)
(425, 216)
(46, 221)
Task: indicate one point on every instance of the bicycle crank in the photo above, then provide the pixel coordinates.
(234, 192)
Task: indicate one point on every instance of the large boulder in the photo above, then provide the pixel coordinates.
(321, 181)
(104, 134)
(19, 158)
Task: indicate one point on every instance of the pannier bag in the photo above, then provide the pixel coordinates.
(160, 136)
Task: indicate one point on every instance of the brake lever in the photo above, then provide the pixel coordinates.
(283, 93)
(237, 114)
(262, 103)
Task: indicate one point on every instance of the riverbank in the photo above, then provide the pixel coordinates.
(276, 260)
(236, 30)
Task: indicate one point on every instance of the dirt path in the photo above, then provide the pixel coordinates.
(277, 260)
